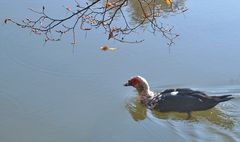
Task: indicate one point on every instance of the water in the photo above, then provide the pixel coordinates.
(53, 92)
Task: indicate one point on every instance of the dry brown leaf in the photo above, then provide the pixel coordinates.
(169, 2)
(108, 4)
(110, 35)
(106, 48)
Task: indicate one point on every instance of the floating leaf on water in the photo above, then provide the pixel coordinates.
(106, 48)
(112, 49)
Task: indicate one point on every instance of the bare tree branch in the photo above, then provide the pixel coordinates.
(113, 16)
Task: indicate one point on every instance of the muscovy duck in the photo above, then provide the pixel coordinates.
(174, 100)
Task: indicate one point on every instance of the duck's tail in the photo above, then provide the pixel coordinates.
(223, 98)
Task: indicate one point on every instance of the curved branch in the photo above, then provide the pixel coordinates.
(103, 16)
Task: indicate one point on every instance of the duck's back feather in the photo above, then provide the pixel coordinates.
(185, 100)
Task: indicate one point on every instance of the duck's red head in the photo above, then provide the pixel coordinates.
(134, 81)
(141, 85)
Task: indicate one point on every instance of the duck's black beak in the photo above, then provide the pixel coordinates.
(127, 84)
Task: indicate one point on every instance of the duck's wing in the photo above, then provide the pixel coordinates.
(185, 92)
(183, 100)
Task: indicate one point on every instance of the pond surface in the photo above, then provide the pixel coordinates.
(54, 92)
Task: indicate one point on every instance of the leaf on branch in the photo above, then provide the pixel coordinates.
(110, 35)
(108, 4)
(169, 2)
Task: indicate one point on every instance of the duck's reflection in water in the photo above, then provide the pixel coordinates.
(215, 116)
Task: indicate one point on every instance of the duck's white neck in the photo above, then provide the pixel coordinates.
(147, 93)
(144, 90)
(145, 96)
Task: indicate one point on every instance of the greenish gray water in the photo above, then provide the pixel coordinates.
(50, 93)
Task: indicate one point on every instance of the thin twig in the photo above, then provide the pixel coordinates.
(95, 15)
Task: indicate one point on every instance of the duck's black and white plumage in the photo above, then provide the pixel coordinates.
(176, 100)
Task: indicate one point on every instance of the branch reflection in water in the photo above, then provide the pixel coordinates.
(215, 116)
